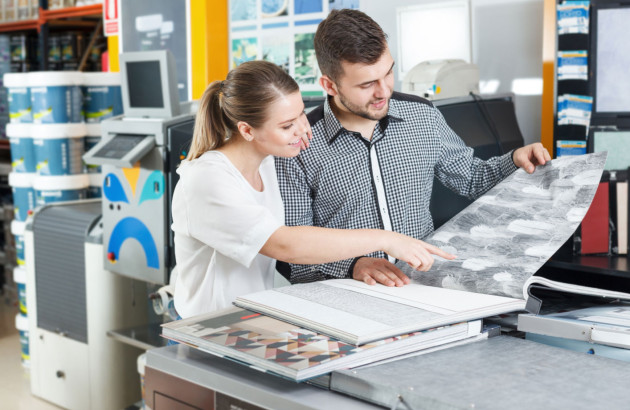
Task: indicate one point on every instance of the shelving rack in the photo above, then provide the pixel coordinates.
(605, 271)
(63, 17)
(55, 17)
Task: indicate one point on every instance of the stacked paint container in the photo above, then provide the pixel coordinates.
(21, 319)
(21, 178)
(58, 133)
(64, 110)
(55, 117)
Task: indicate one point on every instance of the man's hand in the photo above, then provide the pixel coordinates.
(378, 270)
(529, 156)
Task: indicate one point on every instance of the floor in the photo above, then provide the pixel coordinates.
(15, 388)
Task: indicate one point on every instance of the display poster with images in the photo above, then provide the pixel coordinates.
(282, 32)
(149, 25)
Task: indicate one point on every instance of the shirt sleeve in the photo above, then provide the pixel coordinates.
(459, 170)
(297, 198)
(223, 215)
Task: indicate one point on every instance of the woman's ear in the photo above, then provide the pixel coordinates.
(245, 130)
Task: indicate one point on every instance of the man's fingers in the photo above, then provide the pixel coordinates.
(388, 276)
(377, 270)
(369, 280)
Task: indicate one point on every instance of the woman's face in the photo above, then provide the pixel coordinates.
(286, 129)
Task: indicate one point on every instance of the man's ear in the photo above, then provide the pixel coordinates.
(328, 85)
(245, 130)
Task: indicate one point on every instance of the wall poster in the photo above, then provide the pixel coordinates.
(281, 31)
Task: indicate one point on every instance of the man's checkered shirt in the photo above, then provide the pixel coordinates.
(336, 182)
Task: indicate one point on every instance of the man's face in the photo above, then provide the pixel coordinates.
(365, 90)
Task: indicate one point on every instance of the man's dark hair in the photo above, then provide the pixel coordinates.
(347, 35)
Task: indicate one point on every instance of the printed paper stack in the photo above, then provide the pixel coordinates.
(286, 350)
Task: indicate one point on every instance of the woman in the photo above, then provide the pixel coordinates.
(228, 215)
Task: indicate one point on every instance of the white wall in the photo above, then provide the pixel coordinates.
(506, 42)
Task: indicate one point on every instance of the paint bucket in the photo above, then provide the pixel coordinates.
(22, 150)
(96, 184)
(17, 229)
(92, 138)
(102, 97)
(54, 52)
(23, 48)
(19, 97)
(23, 194)
(59, 148)
(141, 363)
(56, 96)
(19, 277)
(59, 188)
(21, 324)
(72, 47)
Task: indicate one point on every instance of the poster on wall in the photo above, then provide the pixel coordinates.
(244, 49)
(276, 48)
(274, 8)
(306, 69)
(343, 4)
(243, 10)
(281, 31)
(148, 25)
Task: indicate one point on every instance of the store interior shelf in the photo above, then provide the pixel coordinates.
(144, 337)
(612, 265)
(50, 16)
(72, 23)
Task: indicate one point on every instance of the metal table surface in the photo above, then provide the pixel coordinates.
(246, 384)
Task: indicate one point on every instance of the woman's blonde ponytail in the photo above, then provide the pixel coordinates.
(245, 95)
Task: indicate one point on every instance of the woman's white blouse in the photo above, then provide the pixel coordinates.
(220, 224)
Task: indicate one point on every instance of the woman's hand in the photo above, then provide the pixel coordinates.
(417, 253)
(308, 135)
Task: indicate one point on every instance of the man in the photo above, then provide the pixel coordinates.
(375, 152)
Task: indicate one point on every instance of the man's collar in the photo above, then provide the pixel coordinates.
(393, 112)
(334, 128)
(331, 123)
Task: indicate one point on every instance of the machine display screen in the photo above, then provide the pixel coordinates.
(119, 146)
(145, 84)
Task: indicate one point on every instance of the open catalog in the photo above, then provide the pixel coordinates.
(500, 241)
(270, 345)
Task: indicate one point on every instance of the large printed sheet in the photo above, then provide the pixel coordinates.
(505, 236)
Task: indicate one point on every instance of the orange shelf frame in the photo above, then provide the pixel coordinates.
(19, 26)
(69, 12)
(48, 15)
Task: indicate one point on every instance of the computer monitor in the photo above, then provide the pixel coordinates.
(610, 59)
(486, 124)
(149, 84)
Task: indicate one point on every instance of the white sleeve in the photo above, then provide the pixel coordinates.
(224, 216)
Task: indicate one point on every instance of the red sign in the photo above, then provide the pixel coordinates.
(110, 18)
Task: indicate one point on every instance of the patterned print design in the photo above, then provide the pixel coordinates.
(297, 349)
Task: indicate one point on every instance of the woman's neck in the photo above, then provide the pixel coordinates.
(246, 159)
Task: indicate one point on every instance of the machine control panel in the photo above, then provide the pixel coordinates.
(122, 150)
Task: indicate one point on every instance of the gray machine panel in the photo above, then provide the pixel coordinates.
(498, 373)
(60, 232)
(136, 221)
